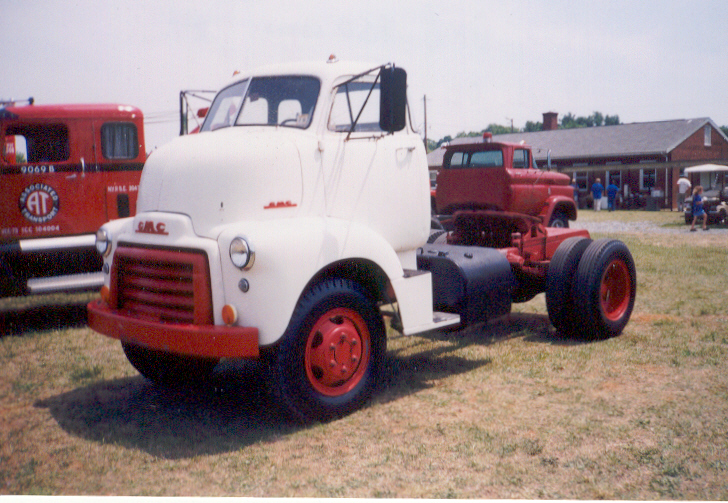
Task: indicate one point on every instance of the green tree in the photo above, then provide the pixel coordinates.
(533, 127)
(463, 134)
(495, 129)
(596, 119)
(611, 120)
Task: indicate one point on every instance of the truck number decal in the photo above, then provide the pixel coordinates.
(39, 203)
(37, 170)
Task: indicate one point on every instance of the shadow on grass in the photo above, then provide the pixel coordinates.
(40, 318)
(226, 413)
(233, 408)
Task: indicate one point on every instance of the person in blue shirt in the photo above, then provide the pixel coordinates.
(597, 189)
(612, 191)
(698, 209)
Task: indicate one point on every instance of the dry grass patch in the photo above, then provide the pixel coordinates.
(507, 409)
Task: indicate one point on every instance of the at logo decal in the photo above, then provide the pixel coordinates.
(39, 203)
(149, 227)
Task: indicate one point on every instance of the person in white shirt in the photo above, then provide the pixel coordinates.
(683, 189)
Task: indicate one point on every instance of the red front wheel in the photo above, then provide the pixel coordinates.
(329, 360)
(337, 352)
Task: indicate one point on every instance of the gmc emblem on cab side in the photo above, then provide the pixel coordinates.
(149, 227)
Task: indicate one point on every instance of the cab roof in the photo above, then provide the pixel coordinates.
(72, 111)
(326, 72)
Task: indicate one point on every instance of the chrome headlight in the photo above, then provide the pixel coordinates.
(241, 254)
(103, 242)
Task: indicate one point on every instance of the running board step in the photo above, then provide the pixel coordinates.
(439, 320)
(71, 282)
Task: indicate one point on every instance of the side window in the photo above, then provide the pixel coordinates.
(520, 158)
(37, 143)
(354, 100)
(458, 160)
(119, 140)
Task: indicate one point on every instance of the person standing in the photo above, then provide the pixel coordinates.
(683, 188)
(698, 208)
(597, 189)
(612, 191)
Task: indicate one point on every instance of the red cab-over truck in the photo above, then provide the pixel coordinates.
(64, 171)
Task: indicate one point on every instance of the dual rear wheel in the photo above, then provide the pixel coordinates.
(591, 288)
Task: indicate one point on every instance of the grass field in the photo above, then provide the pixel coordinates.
(503, 410)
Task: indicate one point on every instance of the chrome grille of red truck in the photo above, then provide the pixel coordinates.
(169, 286)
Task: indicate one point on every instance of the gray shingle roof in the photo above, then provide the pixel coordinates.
(640, 138)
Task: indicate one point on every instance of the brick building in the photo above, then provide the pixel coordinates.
(643, 159)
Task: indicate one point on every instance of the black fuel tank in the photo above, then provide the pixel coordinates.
(472, 281)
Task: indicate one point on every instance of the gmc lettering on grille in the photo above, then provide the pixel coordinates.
(149, 227)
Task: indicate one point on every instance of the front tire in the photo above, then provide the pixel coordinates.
(330, 358)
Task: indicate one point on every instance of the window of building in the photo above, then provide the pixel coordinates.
(614, 177)
(707, 134)
(582, 179)
(648, 178)
(119, 140)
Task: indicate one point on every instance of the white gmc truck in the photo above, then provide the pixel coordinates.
(297, 219)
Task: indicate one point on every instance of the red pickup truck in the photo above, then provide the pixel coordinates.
(502, 176)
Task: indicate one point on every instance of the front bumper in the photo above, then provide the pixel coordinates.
(215, 341)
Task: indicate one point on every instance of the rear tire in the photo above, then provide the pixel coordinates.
(604, 289)
(330, 358)
(559, 283)
(168, 369)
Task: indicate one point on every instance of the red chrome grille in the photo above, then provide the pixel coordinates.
(169, 286)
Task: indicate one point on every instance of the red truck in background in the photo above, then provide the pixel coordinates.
(504, 177)
(65, 170)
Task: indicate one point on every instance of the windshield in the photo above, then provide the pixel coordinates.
(265, 101)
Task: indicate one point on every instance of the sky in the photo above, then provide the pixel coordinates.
(472, 63)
